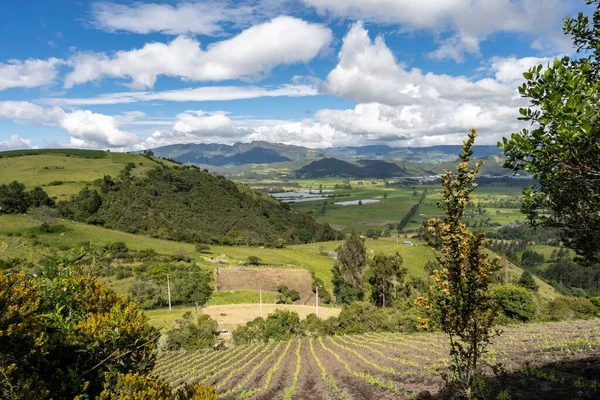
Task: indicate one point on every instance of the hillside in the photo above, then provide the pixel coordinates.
(333, 167)
(236, 154)
(64, 172)
(186, 204)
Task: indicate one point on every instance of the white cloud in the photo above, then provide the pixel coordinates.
(510, 69)
(409, 107)
(88, 129)
(25, 111)
(14, 143)
(206, 93)
(249, 55)
(29, 73)
(199, 17)
(466, 22)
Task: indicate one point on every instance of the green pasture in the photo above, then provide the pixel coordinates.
(62, 175)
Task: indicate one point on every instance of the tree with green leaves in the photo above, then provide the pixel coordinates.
(348, 271)
(14, 199)
(528, 282)
(459, 300)
(386, 272)
(562, 150)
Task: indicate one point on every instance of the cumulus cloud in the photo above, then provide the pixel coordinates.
(15, 143)
(88, 129)
(510, 69)
(463, 23)
(249, 55)
(199, 17)
(414, 107)
(28, 73)
(206, 93)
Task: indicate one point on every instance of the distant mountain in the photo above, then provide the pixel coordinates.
(332, 167)
(237, 154)
(414, 154)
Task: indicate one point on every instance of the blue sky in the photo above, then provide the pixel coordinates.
(131, 75)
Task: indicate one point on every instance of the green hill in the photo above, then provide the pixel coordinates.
(64, 172)
(332, 167)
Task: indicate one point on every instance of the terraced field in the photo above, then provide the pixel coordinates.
(542, 361)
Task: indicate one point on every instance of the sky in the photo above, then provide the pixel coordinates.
(128, 75)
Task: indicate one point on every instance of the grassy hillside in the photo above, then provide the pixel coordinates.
(64, 172)
(309, 256)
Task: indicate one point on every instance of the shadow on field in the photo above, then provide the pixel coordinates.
(561, 380)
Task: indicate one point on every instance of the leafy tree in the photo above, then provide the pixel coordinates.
(136, 386)
(13, 198)
(203, 248)
(191, 335)
(385, 273)
(562, 151)
(459, 300)
(531, 259)
(526, 280)
(286, 296)
(348, 271)
(39, 198)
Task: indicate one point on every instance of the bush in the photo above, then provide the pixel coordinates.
(135, 386)
(253, 260)
(281, 325)
(569, 308)
(203, 248)
(596, 302)
(516, 303)
(528, 282)
(189, 335)
(286, 296)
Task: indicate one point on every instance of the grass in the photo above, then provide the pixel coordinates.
(65, 172)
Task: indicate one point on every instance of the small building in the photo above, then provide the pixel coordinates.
(408, 243)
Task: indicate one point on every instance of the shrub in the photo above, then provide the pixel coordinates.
(516, 302)
(135, 386)
(191, 335)
(203, 248)
(569, 308)
(253, 260)
(596, 302)
(528, 282)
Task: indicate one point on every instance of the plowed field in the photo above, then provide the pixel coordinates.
(542, 361)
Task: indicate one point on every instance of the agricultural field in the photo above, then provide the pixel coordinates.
(393, 203)
(542, 361)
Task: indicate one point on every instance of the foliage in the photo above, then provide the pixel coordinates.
(528, 282)
(324, 295)
(15, 199)
(531, 259)
(253, 260)
(203, 248)
(562, 151)
(191, 335)
(189, 285)
(385, 273)
(135, 386)
(286, 295)
(60, 333)
(186, 204)
(516, 303)
(278, 326)
(569, 308)
(348, 271)
(46, 215)
(459, 300)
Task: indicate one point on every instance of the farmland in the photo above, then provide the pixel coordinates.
(544, 361)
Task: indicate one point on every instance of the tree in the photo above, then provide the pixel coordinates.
(46, 215)
(253, 260)
(39, 198)
(531, 259)
(61, 333)
(14, 199)
(385, 273)
(192, 335)
(528, 282)
(348, 271)
(459, 300)
(562, 151)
